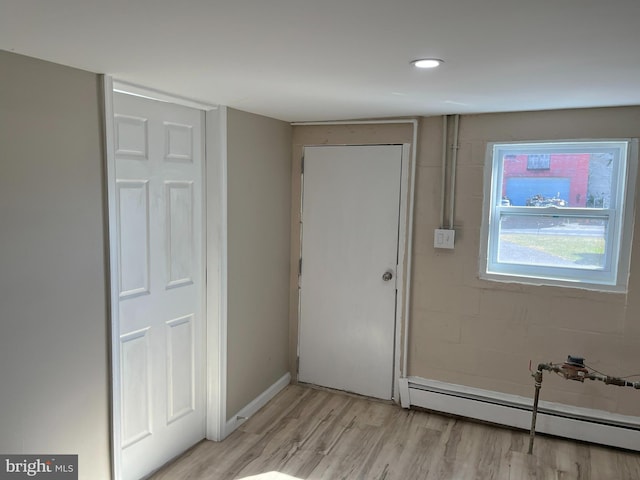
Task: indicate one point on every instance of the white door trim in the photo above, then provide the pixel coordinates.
(133, 89)
(216, 275)
(116, 440)
(215, 253)
(403, 272)
(404, 254)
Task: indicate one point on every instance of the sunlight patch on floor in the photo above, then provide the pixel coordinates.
(271, 476)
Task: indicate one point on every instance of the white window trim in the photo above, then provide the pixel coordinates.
(623, 221)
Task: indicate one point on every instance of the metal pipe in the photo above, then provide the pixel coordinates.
(443, 183)
(454, 161)
(538, 378)
(572, 369)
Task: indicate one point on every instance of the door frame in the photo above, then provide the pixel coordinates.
(214, 267)
(403, 269)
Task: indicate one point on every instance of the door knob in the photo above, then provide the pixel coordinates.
(386, 276)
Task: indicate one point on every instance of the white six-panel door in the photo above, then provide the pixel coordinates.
(350, 218)
(159, 170)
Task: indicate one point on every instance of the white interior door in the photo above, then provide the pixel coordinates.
(351, 200)
(160, 386)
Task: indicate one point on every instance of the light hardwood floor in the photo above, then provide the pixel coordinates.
(307, 433)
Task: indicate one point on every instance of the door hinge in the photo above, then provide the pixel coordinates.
(300, 267)
(302, 165)
(297, 364)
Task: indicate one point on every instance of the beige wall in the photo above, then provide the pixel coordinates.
(482, 334)
(259, 192)
(54, 393)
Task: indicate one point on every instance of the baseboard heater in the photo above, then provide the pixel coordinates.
(589, 425)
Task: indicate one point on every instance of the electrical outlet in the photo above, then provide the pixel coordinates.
(443, 238)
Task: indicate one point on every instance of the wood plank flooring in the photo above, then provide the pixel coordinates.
(306, 433)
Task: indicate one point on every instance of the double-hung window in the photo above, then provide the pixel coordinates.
(559, 213)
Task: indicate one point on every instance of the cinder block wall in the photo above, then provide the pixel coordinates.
(482, 334)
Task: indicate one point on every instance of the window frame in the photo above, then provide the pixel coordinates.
(613, 277)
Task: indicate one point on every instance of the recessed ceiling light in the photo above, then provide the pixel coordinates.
(427, 63)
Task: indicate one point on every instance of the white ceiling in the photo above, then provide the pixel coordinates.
(303, 60)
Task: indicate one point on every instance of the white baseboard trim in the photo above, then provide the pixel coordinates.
(590, 425)
(403, 389)
(256, 404)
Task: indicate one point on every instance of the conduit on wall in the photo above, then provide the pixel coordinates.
(454, 161)
(454, 164)
(443, 181)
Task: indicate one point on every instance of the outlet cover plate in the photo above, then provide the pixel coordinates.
(443, 238)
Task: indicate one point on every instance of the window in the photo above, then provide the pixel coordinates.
(538, 161)
(555, 213)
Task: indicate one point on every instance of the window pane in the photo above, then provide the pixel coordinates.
(548, 241)
(549, 176)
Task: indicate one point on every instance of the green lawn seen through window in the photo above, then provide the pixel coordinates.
(568, 247)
